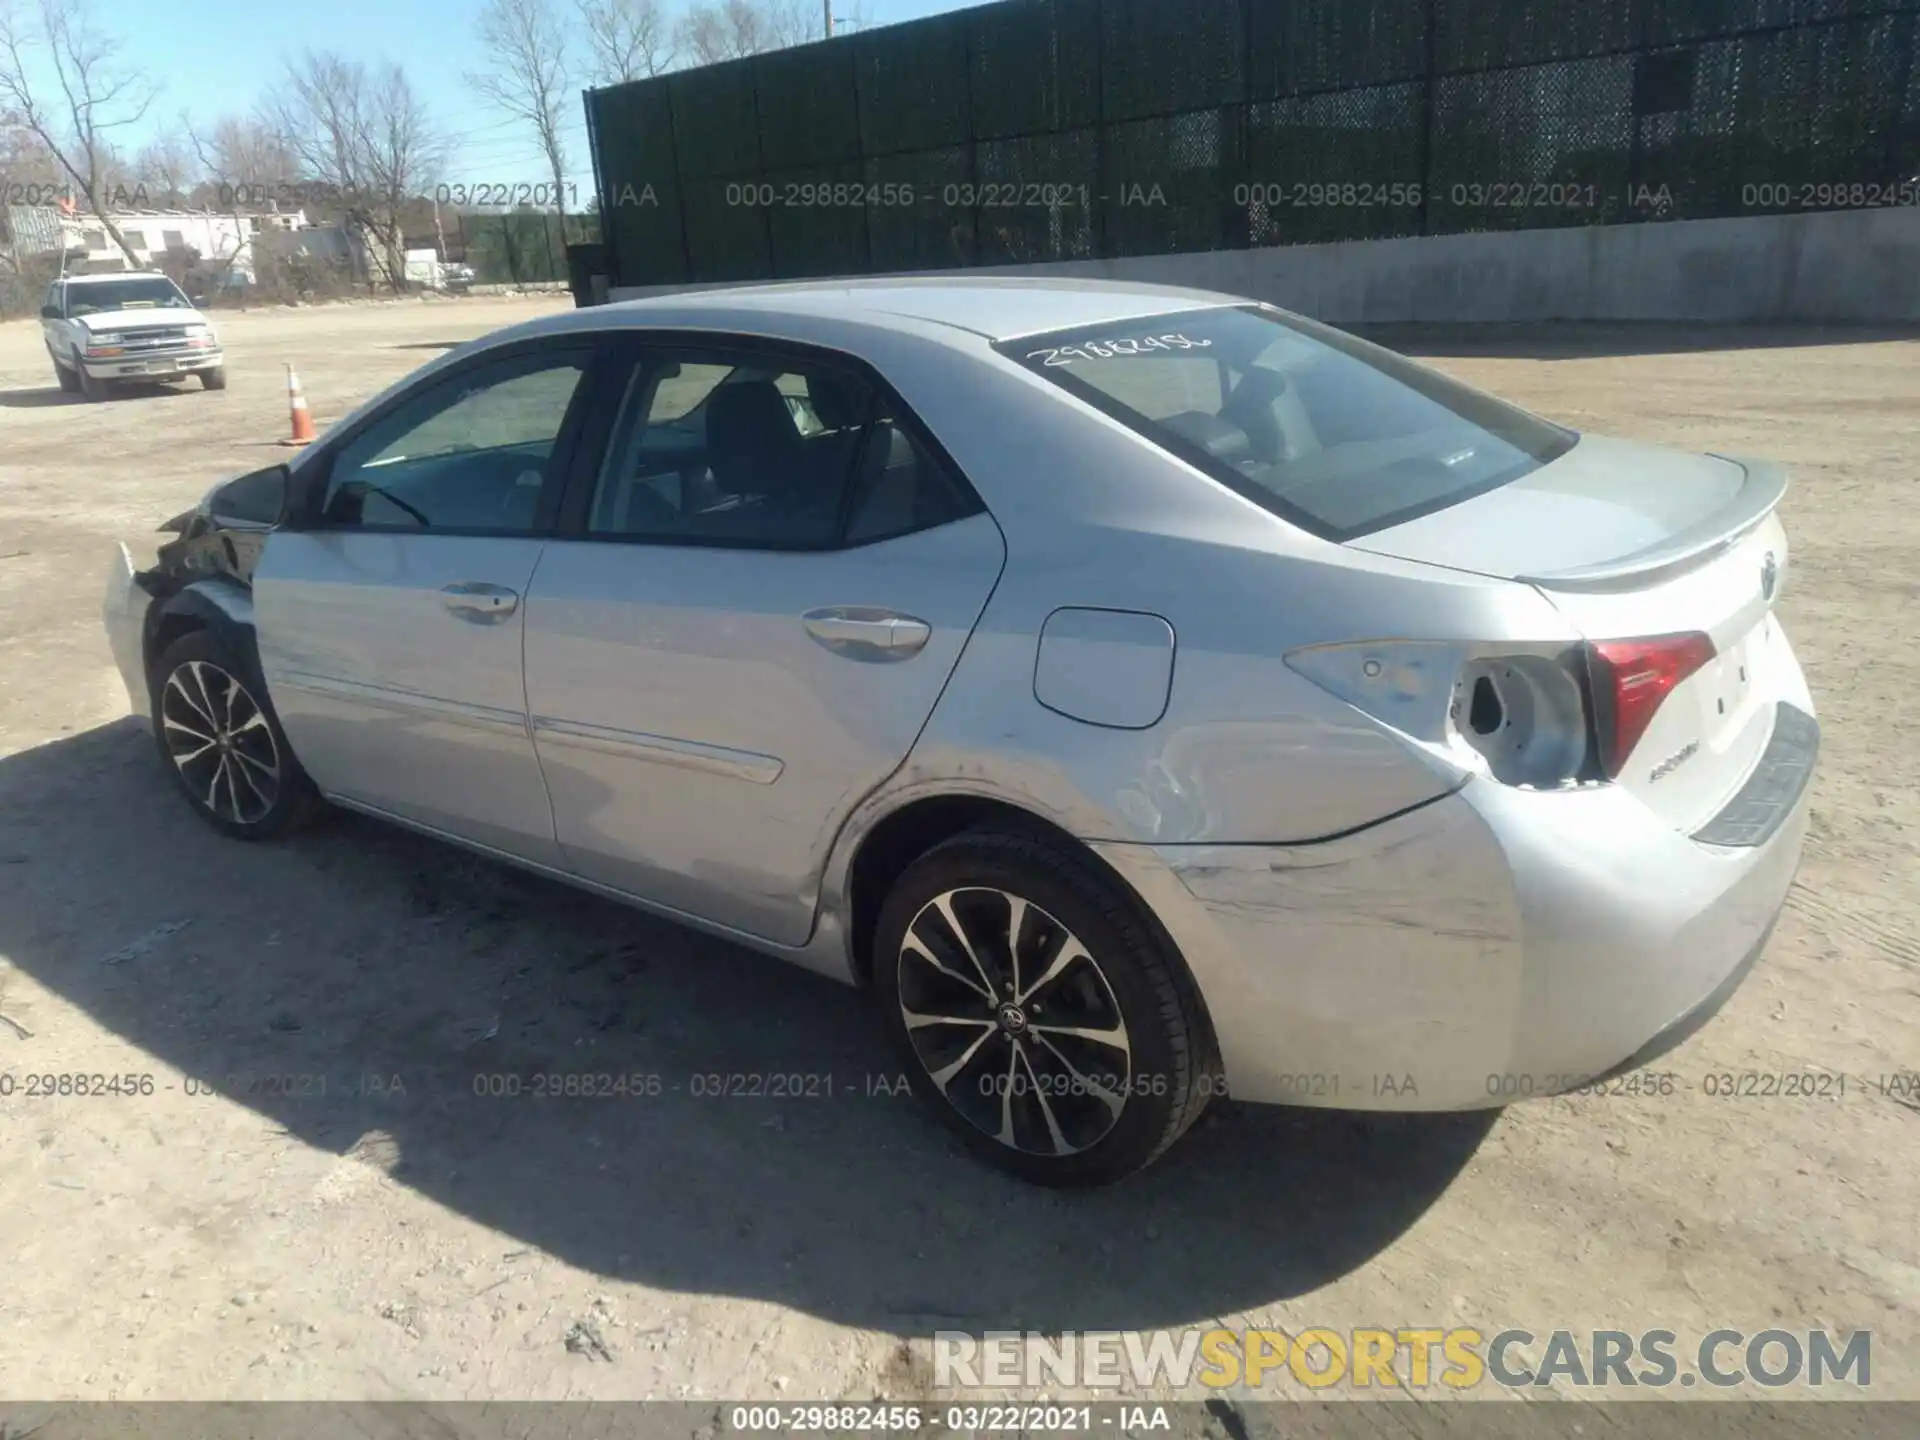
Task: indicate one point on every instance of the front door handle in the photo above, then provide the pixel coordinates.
(479, 602)
(861, 632)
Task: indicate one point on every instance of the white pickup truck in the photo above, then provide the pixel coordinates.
(102, 328)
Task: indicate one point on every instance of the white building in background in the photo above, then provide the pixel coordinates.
(223, 242)
(426, 268)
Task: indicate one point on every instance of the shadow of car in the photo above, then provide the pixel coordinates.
(774, 1153)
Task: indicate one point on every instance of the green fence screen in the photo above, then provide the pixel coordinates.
(522, 247)
(1041, 130)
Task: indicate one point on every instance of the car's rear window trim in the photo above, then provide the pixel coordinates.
(1020, 350)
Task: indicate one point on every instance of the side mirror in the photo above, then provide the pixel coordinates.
(49, 312)
(257, 501)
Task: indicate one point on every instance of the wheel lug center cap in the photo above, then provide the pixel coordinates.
(1013, 1019)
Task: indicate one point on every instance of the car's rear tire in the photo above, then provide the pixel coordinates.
(68, 380)
(214, 379)
(1100, 1053)
(222, 743)
(91, 386)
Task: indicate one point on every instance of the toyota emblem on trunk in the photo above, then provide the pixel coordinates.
(1769, 576)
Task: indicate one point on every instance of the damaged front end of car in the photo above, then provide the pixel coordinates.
(224, 534)
(201, 578)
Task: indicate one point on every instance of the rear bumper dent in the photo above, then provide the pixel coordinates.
(1493, 945)
(1683, 1029)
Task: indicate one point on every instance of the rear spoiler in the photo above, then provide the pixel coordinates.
(1753, 502)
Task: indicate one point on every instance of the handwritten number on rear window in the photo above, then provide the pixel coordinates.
(1108, 349)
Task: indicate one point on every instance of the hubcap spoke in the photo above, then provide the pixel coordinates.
(213, 712)
(1019, 980)
(1102, 1093)
(173, 724)
(945, 906)
(912, 946)
(1006, 1136)
(179, 687)
(235, 768)
(944, 1076)
(1054, 1133)
(265, 767)
(1113, 1036)
(213, 785)
(1016, 920)
(1068, 953)
(918, 1021)
(183, 758)
(227, 692)
(233, 790)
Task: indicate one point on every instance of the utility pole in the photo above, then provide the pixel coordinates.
(826, 15)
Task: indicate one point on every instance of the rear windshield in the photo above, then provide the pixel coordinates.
(1333, 434)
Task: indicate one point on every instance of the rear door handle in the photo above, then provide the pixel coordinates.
(864, 633)
(479, 602)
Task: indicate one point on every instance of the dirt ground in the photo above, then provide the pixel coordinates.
(371, 1227)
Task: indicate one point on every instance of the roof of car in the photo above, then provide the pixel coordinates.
(998, 308)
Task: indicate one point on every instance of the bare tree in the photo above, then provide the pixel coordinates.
(793, 22)
(240, 163)
(727, 30)
(245, 156)
(405, 151)
(167, 166)
(27, 167)
(95, 96)
(320, 115)
(363, 140)
(530, 77)
(716, 30)
(26, 170)
(628, 39)
(24, 159)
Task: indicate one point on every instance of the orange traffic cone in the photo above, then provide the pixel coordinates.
(297, 407)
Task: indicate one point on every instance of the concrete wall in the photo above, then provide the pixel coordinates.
(1831, 266)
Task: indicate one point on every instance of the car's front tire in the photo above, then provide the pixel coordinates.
(214, 379)
(222, 743)
(1038, 1010)
(91, 386)
(67, 378)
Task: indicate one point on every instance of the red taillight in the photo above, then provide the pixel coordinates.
(1632, 679)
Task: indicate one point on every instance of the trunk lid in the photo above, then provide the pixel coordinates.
(1603, 502)
(1630, 541)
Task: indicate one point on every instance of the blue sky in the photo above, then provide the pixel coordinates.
(214, 66)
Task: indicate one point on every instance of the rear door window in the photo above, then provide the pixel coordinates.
(751, 453)
(1333, 434)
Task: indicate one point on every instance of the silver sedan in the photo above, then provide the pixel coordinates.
(1147, 696)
